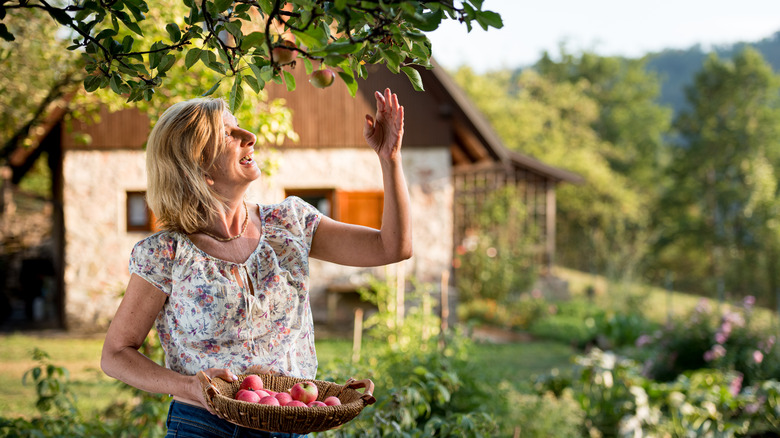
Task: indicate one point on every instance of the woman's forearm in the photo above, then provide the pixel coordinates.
(396, 231)
(130, 366)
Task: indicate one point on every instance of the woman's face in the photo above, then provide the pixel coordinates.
(235, 166)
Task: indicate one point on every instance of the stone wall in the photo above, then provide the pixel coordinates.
(97, 245)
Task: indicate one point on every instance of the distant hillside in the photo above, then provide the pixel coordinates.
(678, 67)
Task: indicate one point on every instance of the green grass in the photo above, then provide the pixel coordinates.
(657, 304)
(95, 391)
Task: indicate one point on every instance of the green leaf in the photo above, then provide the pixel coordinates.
(127, 43)
(307, 64)
(192, 57)
(427, 22)
(173, 32)
(236, 94)
(289, 80)
(351, 83)
(166, 63)
(115, 83)
(258, 75)
(212, 89)
(266, 73)
(234, 28)
(91, 83)
(254, 39)
(222, 5)
(489, 19)
(5, 34)
(342, 48)
(414, 78)
(392, 58)
(61, 16)
(313, 38)
(253, 84)
(132, 25)
(340, 4)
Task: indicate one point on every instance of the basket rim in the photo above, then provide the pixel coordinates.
(345, 411)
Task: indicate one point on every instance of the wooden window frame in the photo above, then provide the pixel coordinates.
(341, 201)
(151, 220)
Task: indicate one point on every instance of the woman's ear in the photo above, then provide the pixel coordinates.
(208, 178)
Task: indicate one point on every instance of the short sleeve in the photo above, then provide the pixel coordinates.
(305, 217)
(152, 259)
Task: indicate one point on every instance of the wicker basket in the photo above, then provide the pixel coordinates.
(289, 419)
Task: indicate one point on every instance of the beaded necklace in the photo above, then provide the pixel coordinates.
(228, 239)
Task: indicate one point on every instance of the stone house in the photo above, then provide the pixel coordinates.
(450, 155)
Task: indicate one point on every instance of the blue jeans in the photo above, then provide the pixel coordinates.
(187, 421)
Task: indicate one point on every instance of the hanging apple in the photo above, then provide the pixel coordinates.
(322, 78)
(285, 53)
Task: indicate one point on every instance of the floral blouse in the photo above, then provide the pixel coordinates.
(213, 318)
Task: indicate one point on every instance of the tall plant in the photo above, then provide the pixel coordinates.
(496, 259)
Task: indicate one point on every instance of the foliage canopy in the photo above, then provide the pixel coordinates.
(236, 39)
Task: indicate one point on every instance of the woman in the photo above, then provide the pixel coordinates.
(226, 282)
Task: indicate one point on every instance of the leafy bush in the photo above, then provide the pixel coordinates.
(492, 262)
(425, 392)
(618, 401)
(710, 339)
(60, 418)
(562, 416)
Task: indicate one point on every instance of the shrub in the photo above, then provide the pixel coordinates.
(618, 401)
(710, 339)
(561, 415)
(490, 262)
(425, 392)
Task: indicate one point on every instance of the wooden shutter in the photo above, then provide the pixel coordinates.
(360, 208)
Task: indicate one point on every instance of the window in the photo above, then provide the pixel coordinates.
(353, 207)
(139, 216)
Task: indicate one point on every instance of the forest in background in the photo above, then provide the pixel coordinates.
(677, 67)
(680, 152)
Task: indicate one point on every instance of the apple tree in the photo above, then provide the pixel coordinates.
(249, 43)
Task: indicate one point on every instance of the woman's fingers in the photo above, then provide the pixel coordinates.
(223, 373)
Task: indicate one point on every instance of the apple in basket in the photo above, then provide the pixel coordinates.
(247, 396)
(305, 392)
(252, 382)
(269, 400)
(332, 401)
(283, 397)
(297, 403)
(316, 403)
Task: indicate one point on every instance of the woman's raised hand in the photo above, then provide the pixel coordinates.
(385, 132)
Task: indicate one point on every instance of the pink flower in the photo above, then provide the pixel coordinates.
(721, 337)
(644, 340)
(749, 301)
(736, 385)
(716, 352)
(758, 356)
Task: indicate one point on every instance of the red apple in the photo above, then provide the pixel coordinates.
(297, 403)
(305, 392)
(283, 397)
(269, 400)
(247, 396)
(332, 401)
(262, 393)
(322, 78)
(316, 403)
(284, 55)
(252, 382)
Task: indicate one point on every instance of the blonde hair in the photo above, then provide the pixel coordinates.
(182, 147)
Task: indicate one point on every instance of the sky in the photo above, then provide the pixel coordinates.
(607, 27)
